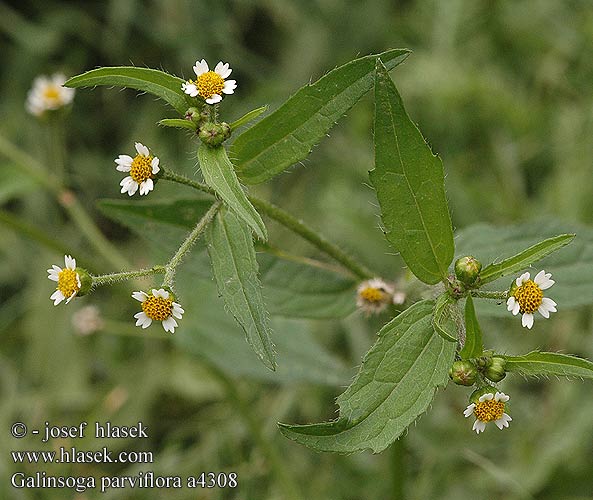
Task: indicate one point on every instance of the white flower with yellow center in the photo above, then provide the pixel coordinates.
(374, 295)
(142, 168)
(489, 408)
(48, 93)
(210, 85)
(528, 297)
(68, 281)
(158, 306)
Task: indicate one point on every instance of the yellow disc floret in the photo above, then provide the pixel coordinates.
(373, 294)
(209, 84)
(529, 296)
(51, 93)
(68, 282)
(141, 168)
(157, 308)
(489, 410)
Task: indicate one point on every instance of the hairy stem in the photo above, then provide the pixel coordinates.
(192, 237)
(109, 279)
(288, 221)
(484, 294)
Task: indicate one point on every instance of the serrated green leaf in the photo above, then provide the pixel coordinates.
(230, 246)
(178, 123)
(287, 136)
(549, 363)
(409, 181)
(523, 259)
(305, 290)
(473, 346)
(158, 83)
(219, 174)
(395, 385)
(571, 268)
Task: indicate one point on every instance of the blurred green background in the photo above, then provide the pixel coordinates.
(501, 90)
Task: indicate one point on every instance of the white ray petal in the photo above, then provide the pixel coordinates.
(170, 324)
(511, 303)
(469, 410)
(142, 320)
(155, 165)
(201, 67)
(142, 149)
(214, 99)
(229, 86)
(549, 304)
(479, 426)
(223, 69)
(70, 262)
(57, 297)
(527, 320)
(543, 311)
(139, 296)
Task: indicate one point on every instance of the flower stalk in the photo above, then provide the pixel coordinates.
(110, 279)
(192, 237)
(485, 294)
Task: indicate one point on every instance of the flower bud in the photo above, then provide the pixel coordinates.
(496, 371)
(463, 373)
(193, 114)
(86, 281)
(467, 269)
(214, 134)
(484, 361)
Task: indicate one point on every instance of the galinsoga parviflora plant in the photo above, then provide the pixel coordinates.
(434, 335)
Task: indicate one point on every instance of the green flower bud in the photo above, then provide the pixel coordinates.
(193, 114)
(214, 134)
(86, 281)
(475, 396)
(484, 361)
(463, 373)
(496, 371)
(467, 269)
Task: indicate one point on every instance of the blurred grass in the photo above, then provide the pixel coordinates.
(502, 91)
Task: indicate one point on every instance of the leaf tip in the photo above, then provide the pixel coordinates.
(71, 82)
